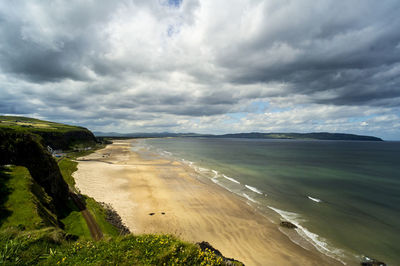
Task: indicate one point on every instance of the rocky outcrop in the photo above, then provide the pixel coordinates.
(287, 224)
(204, 246)
(367, 261)
(113, 218)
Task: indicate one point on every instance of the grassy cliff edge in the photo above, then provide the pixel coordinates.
(40, 223)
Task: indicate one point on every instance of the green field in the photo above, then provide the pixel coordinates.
(31, 124)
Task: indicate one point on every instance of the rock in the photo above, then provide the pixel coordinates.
(151, 214)
(288, 225)
(113, 218)
(205, 245)
(367, 261)
(227, 261)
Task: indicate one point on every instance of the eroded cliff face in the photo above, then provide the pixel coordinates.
(26, 150)
(67, 140)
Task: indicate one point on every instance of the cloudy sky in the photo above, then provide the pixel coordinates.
(209, 66)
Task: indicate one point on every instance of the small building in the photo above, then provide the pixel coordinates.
(50, 149)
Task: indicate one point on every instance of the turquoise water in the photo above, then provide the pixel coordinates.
(344, 196)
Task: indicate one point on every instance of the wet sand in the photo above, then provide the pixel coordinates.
(182, 204)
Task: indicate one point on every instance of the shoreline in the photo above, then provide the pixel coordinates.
(164, 196)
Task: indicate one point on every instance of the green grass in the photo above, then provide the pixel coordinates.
(76, 225)
(99, 214)
(74, 222)
(24, 204)
(67, 167)
(21, 203)
(29, 231)
(29, 124)
(56, 135)
(27, 247)
(50, 247)
(76, 154)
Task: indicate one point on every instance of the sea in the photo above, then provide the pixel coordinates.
(344, 196)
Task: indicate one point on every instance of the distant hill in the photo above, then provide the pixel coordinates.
(145, 135)
(56, 135)
(252, 135)
(301, 136)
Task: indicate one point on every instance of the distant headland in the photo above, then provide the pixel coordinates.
(252, 135)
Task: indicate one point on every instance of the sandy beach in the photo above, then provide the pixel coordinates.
(186, 206)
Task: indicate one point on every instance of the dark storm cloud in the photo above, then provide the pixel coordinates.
(190, 110)
(328, 46)
(38, 64)
(50, 42)
(13, 106)
(340, 56)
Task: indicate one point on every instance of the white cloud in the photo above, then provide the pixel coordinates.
(148, 66)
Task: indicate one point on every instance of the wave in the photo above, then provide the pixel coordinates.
(215, 173)
(253, 189)
(314, 199)
(139, 146)
(168, 153)
(249, 198)
(292, 217)
(187, 162)
(221, 185)
(201, 169)
(317, 241)
(231, 179)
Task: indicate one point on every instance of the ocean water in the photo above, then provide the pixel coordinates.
(344, 196)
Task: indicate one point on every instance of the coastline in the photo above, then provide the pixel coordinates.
(164, 196)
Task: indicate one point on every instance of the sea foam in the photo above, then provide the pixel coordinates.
(168, 153)
(231, 179)
(215, 173)
(290, 216)
(249, 198)
(314, 199)
(318, 242)
(253, 189)
(224, 187)
(187, 162)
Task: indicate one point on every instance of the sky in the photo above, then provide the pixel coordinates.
(206, 66)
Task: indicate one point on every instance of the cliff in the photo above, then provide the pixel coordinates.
(25, 149)
(55, 135)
